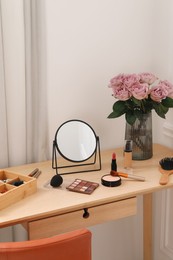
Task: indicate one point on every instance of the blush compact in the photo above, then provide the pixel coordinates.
(110, 181)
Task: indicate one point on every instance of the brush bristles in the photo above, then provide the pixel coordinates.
(167, 163)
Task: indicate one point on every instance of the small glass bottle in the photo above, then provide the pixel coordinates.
(128, 154)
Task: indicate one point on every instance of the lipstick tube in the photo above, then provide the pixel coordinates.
(114, 162)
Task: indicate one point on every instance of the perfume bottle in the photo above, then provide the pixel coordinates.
(128, 154)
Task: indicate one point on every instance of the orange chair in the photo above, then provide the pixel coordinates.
(74, 245)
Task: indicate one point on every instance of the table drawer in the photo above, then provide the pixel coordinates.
(81, 218)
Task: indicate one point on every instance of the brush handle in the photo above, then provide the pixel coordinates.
(135, 177)
(127, 175)
(37, 174)
(33, 172)
(164, 178)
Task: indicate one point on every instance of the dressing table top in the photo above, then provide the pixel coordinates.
(48, 201)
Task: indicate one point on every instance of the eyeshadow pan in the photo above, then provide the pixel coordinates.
(82, 186)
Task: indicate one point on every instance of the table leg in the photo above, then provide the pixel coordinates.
(147, 226)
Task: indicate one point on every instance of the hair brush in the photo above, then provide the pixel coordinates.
(166, 169)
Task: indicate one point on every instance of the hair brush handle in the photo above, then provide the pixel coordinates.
(164, 179)
(165, 176)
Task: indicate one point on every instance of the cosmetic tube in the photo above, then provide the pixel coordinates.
(114, 162)
(128, 154)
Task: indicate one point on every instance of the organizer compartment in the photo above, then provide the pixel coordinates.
(10, 193)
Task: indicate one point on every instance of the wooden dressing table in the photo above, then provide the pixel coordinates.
(51, 211)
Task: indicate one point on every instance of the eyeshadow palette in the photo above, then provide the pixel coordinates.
(82, 186)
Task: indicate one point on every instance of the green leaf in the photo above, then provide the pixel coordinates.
(113, 115)
(130, 118)
(136, 101)
(160, 109)
(167, 102)
(119, 108)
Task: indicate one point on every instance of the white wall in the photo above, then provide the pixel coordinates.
(88, 42)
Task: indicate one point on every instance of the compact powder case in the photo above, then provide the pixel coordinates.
(110, 181)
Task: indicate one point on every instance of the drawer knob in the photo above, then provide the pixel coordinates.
(86, 213)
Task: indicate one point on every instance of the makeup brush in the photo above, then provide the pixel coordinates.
(33, 172)
(37, 174)
(127, 175)
(166, 168)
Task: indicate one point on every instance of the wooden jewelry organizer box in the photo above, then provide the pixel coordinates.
(14, 187)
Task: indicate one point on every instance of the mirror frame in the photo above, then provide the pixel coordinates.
(94, 158)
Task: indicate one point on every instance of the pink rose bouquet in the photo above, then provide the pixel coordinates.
(140, 93)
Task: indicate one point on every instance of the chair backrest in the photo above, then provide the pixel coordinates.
(75, 245)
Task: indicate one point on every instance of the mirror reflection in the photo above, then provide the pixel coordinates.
(76, 141)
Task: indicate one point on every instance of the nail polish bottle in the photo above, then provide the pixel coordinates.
(128, 154)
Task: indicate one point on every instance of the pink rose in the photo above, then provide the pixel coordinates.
(130, 80)
(168, 86)
(148, 78)
(117, 81)
(124, 79)
(140, 91)
(158, 93)
(121, 92)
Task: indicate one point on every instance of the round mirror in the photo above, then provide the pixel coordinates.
(76, 140)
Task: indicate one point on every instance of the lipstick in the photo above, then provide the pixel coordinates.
(114, 162)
